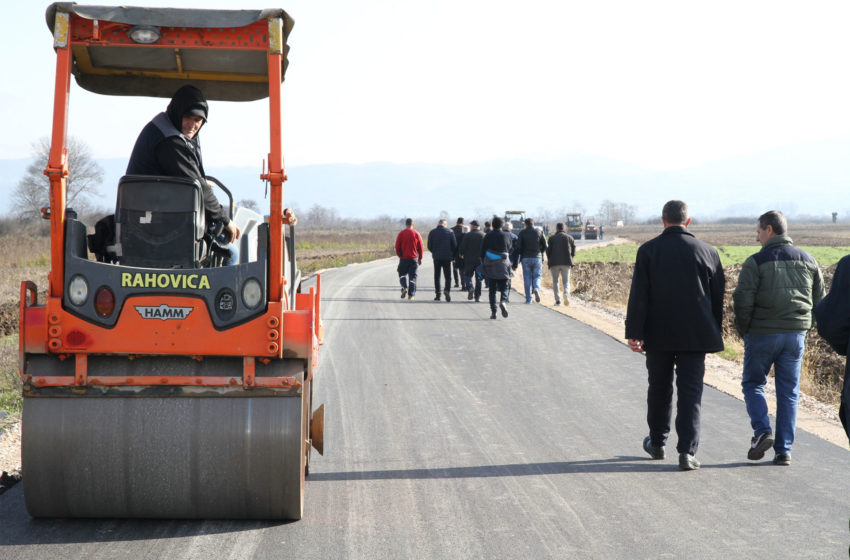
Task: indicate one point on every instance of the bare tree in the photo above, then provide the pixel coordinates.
(250, 204)
(33, 190)
(612, 212)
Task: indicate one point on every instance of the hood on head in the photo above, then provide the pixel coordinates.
(186, 100)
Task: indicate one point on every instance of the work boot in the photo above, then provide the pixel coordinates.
(503, 306)
(403, 292)
(470, 294)
(493, 315)
(437, 297)
(448, 297)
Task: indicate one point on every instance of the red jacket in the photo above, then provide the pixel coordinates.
(408, 244)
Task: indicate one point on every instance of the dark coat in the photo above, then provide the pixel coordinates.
(530, 243)
(470, 248)
(497, 242)
(676, 298)
(561, 249)
(833, 322)
(161, 149)
(442, 243)
(459, 233)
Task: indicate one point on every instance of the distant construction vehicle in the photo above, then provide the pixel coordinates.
(516, 218)
(574, 225)
(591, 230)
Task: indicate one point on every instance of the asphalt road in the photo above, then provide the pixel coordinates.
(449, 435)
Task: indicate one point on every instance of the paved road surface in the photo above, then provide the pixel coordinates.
(449, 435)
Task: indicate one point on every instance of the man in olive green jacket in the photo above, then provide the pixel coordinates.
(777, 289)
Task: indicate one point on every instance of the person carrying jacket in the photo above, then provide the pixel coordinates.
(409, 249)
(443, 246)
(560, 252)
(531, 245)
(674, 316)
(495, 256)
(777, 289)
(169, 145)
(470, 251)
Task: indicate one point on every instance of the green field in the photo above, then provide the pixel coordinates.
(729, 254)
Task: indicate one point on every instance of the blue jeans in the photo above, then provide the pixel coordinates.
(785, 352)
(532, 270)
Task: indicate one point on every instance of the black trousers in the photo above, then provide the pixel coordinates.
(446, 268)
(500, 286)
(689, 374)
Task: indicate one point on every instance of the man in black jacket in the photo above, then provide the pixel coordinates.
(470, 251)
(683, 280)
(560, 252)
(169, 146)
(833, 322)
(530, 248)
(443, 246)
(459, 230)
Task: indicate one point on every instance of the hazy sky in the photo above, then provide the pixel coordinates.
(665, 85)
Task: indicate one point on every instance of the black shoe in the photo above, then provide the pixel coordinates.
(503, 306)
(448, 297)
(656, 453)
(493, 315)
(759, 445)
(456, 285)
(470, 295)
(437, 298)
(536, 296)
(477, 300)
(403, 292)
(688, 462)
(783, 459)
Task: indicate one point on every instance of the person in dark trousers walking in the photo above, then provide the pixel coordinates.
(442, 245)
(560, 252)
(470, 251)
(409, 249)
(833, 318)
(495, 255)
(777, 289)
(674, 315)
(459, 230)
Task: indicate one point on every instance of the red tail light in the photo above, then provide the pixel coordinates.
(104, 301)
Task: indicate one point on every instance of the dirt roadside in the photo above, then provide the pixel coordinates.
(812, 415)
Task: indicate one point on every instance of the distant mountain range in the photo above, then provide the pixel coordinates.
(805, 180)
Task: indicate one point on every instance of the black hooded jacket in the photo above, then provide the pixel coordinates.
(161, 148)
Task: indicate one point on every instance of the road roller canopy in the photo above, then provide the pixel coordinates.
(151, 52)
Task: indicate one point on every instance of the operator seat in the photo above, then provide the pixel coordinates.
(159, 222)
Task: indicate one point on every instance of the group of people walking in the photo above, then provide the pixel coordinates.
(487, 256)
(675, 314)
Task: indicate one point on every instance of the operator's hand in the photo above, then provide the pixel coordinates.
(233, 230)
(636, 345)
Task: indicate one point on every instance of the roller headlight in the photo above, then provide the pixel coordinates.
(78, 290)
(252, 293)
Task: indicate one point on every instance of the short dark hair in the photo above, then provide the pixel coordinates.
(559, 226)
(408, 222)
(487, 223)
(774, 219)
(460, 220)
(528, 222)
(675, 212)
(497, 222)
